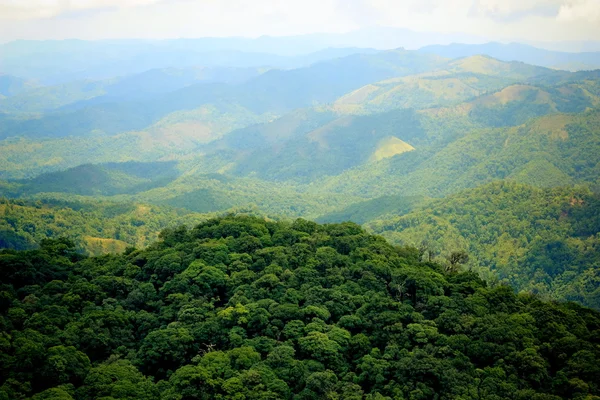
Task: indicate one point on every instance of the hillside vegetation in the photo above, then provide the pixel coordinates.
(268, 126)
(95, 227)
(161, 206)
(554, 150)
(457, 81)
(544, 241)
(378, 208)
(364, 136)
(246, 308)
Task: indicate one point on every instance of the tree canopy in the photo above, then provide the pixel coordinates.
(247, 308)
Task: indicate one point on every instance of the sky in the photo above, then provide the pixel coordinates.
(502, 20)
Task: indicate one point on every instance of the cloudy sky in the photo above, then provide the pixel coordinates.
(525, 20)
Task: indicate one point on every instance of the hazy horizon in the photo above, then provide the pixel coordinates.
(540, 22)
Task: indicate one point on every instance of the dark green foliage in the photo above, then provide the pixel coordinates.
(537, 240)
(245, 308)
(250, 308)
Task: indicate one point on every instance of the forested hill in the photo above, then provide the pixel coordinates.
(246, 308)
(544, 241)
(95, 227)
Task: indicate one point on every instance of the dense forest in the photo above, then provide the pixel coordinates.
(183, 220)
(247, 308)
(544, 241)
(540, 240)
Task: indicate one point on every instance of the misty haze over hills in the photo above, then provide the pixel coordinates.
(375, 215)
(50, 62)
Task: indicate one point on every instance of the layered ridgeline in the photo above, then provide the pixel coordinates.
(397, 149)
(319, 155)
(59, 61)
(138, 118)
(393, 131)
(246, 308)
(173, 122)
(567, 60)
(165, 183)
(12, 85)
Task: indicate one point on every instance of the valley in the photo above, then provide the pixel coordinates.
(205, 219)
(465, 123)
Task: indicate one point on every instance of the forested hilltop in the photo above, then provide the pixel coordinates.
(247, 308)
(539, 240)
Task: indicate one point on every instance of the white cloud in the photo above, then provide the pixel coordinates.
(34, 9)
(580, 10)
(538, 20)
(506, 20)
(509, 7)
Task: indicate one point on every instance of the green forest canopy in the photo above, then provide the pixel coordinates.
(246, 308)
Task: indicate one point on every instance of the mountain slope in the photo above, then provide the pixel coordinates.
(330, 144)
(375, 209)
(338, 145)
(538, 240)
(566, 143)
(13, 85)
(198, 191)
(483, 63)
(103, 179)
(326, 81)
(456, 81)
(518, 103)
(419, 91)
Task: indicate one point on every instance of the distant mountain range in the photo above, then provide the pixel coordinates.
(142, 100)
(520, 52)
(53, 62)
(441, 148)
